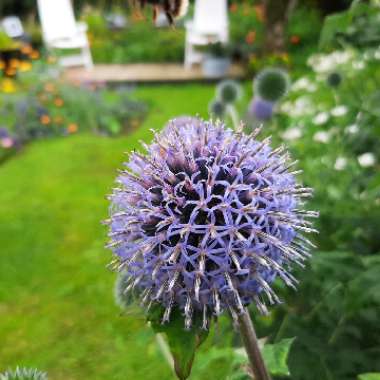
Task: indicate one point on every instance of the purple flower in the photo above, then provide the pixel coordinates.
(260, 109)
(207, 220)
(4, 133)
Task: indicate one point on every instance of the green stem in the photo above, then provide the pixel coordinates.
(249, 337)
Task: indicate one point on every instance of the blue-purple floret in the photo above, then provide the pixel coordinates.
(207, 219)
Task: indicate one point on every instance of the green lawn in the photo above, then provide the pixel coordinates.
(56, 303)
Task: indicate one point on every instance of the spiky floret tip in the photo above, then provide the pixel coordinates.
(207, 219)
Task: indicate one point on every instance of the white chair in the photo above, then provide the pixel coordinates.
(12, 26)
(210, 25)
(61, 31)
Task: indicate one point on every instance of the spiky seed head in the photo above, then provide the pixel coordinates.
(260, 109)
(207, 219)
(228, 91)
(217, 109)
(21, 373)
(271, 84)
(334, 79)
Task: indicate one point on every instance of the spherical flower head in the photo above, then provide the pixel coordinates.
(260, 109)
(124, 299)
(23, 374)
(334, 79)
(4, 133)
(271, 84)
(217, 109)
(207, 219)
(228, 91)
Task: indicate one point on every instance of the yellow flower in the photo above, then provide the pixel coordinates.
(34, 54)
(14, 63)
(25, 66)
(8, 86)
(26, 49)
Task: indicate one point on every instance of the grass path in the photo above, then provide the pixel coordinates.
(56, 303)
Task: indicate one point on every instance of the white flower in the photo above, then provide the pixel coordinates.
(377, 54)
(341, 57)
(358, 65)
(293, 133)
(322, 137)
(352, 129)
(301, 107)
(322, 63)
(367, 159)
(312, 87)
(339, 111)
(340, 163)
(286, 107)
(321, 118)
(301, 84)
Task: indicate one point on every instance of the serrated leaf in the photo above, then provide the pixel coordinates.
(369, 376)
(276, 357)
(182, 343)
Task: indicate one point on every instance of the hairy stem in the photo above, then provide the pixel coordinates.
(251, 345)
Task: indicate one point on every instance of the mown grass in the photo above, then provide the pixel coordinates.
(56, 302)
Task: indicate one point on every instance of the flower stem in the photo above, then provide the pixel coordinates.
(249, 337)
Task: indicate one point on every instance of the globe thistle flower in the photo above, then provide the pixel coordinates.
(228, 91)
(334, 79)
(217, 109)
(271, 84)
(23, 374)
(4, 133)
(207, 219)
(260, 109)
(124, 299)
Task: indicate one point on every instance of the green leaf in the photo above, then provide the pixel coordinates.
(182, 343)
(276, 357)
(369, 376)
(333, 25)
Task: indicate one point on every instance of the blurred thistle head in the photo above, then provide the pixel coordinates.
(271, 84)
(207, 219)
(260, 109)
(334, 79)
(173, 9)
(217, 109)
(4, 133)
(21, 373)
(228, 91)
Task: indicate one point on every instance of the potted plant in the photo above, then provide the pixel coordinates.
(217, 60)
